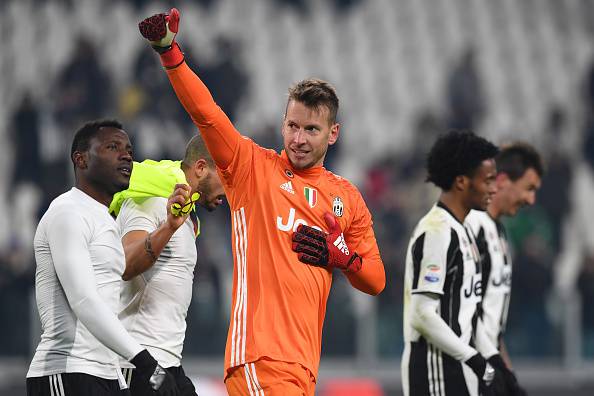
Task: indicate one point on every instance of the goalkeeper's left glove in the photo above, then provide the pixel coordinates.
(325, 250)
(160, 30)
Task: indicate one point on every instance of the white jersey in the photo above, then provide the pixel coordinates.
(80, 261)
(442, 260)
(154, 304)
(497, 271)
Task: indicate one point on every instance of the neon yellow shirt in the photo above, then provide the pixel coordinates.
(150, 179)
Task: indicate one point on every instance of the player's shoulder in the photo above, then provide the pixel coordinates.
(436, 221)
(477, 216)
(477, 219)
(341, 183)
(260, 150)
(65, 204)
(144, 204)
(68, 210)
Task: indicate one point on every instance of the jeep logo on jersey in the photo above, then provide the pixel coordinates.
(475, 288)
(503, 279)
(292, 223)
(311, 195)
(337, 207)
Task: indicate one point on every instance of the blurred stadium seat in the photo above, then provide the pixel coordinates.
(400, 70)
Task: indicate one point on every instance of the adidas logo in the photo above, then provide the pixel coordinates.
(288, 187)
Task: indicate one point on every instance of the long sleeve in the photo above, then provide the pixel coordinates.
(72, 262)
(218, 132)
(371, 279)
(483, 342)
(426, 321)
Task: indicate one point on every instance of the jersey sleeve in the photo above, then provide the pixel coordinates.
(218, 132)
(361, 239)
(429, 259)
(427, 321)
(248, 159)
(145, 214)
(482, 340)
(233, 153)
(69, 236)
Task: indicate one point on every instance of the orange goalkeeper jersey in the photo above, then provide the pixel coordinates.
(278, 303)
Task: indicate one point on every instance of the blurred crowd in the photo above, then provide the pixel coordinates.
(552, 242)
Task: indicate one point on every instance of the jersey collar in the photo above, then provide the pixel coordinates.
(444, 207)
(87, 199)
(311, 175)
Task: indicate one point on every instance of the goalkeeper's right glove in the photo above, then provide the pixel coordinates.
(150, 371)
(160, 30)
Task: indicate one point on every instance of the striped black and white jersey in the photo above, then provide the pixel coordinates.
(492, 243)
(442, 261)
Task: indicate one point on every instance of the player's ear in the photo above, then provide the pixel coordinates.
(334, 133)
(461, 182)
(200, 168)
(501, 180)
(80, 159)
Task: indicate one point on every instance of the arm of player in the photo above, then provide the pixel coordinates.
(219, 134)
(72, 261)
(331, 250)
(425, 320)
(360, 236)
(143, 248)
(371, 279)
(482, 341)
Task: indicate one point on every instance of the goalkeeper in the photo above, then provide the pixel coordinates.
(280, 203)
(161, 255)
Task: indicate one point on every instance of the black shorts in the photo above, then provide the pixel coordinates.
(137, 388)
(73, 384)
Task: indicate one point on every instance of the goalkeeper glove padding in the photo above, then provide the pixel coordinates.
(160, 30)
(325, 250)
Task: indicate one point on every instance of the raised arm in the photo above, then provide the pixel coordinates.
(218, 132)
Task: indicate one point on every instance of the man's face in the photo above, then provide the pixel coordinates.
(307, 132)
(109, 160)
(513, 195)
(482, 186)
(211, 191)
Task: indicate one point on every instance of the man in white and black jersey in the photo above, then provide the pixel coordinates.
(519, 173)
(80, 260)
(443, 354)
(161, 255)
